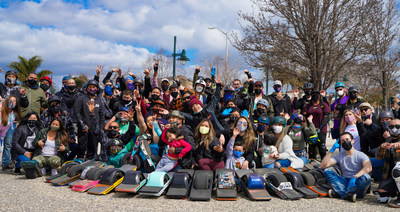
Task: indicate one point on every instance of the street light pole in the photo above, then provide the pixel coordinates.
(173, 61)
(226, 47)
(182, 58)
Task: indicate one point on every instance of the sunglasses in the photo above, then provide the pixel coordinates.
(244, 123)
(394, 126)
(113, 127)
(186, 98)
(364, 109)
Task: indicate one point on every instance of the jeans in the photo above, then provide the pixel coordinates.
(20, 159)
(284, 163)
(302, 154)
(6, 158)
(339, 184)
(166, 164)
(269, 166)
(377, 168)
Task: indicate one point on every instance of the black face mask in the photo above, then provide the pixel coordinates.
(232, 119)
(174, 94)
(185, 104)
(55, 108)
(112, 133)
(155, 97)
(385, 125)
(308, 93)
(32, 82)
(353, 95)
(257, 91)
(365, 117)
(164, 87)
(44, 87)
(71, 87)
(260, 111)
(298, 120)
(126, 101)
(347, 145)
(315, 98)
(32, 123)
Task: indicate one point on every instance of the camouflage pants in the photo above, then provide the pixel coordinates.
(43, 161)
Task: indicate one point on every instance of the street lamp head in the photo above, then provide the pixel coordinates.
(183, 58)
(211, 27)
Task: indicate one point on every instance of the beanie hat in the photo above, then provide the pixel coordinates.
(195, 101)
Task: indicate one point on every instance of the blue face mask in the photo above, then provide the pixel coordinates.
(130, 86)
(237, 154)
(296, 127)
(277, 88)
(108, 90)
(228, 96)
(237, 89)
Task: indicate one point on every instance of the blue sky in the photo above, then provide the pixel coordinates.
(73, 36)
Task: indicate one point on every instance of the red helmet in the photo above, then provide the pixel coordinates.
(47, 79)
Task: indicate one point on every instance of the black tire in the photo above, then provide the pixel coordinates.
(276, 179)
(118, 175)
(147, 167)
(289, 178)
(31, 173)
(201, 182)
(138, 161)
(318, 176)
(74, 170)
(308, 178)
(67, 166)
(127, 159)
(91, 175)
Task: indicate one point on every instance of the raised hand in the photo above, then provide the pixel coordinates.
(22, 91)
(119, 72)
(310, 118)
(323, 93)
(357, 114)
(236, 131)
(218, 81)
(91, 106)
(98, 70)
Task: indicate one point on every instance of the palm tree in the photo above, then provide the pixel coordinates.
(24, 67)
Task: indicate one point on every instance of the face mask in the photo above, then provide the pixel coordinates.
(385, 125)
(174, 94)
(237, 89)
(228, 96)
(164, 87)
(11, 105)
(237, 154)
(365, 117)
(347, 145)
(112, 133)
(308, 93)
(65, 86)
(32, 82)
(71, 87)
(296, 127)
(339, 93)
(257, 91)
(44, 87)
(115, 149)
(55, 108)
(277, 129)
(198, 112)
(11, 81)
(349, 119)
(31, 123)
(123, 120)
(92, 91)
(298, 120)
(277, 88)
(204, 130)
(353, 95)
(130, 86)
(185, 104)
(108, 90)
(199, 89)
(260, 111)
(241, 127)
(394, 132)
(315, 98)
(126, 102)
(155, 97)
(174, 124)
(261, 128)
(54, 129)
(232, 119)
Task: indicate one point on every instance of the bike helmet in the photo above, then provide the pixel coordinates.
(279, 120)
(386, 114)
(339, 85)
(263, 102)
(48, 79)
(354, 89)
(308, 85)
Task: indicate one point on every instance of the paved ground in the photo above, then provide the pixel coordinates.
(21, 194)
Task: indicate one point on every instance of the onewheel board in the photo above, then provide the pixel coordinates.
(156, 184)
(110, 179)
(310, 182)
(202, 185)
(225, 184)
(64, 169)
(298, 184)
(132, 183)
(180, 186)
(278, 185)
(253, 185)
(73, 173)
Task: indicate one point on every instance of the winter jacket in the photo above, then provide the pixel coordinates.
(67, 102)
(299, 137)
(46, 118)
(6, 91)
(37, 99)
(42, 135)
(202, 152)
(285, 151)
(284, 104)
(270, 109)
(82, 113)
(176, 144)
(371, 136)
(20, 136)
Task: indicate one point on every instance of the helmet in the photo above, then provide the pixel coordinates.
(47, 79)
(279, 120)
(136, 80)
(263, 102)
(339, 84)
(176, 113)
(263, 119)
(308, 85)
(174, 85)
(354, 88)
(386, 114)
(11, 72)
(54, 98)
(200, 81)
(145, 137)
(116, 142)
(93, 82)
(229, 88)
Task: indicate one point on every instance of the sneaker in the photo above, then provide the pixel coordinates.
(351, 197)
(17, 171)
(332, 193)
(395, 203)
(6, 168)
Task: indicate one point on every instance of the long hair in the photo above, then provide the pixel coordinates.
(62, 134)
(343, 123)
(208, 138)
(5, 112)
(248, 137)
(24, 120)
(281, 136)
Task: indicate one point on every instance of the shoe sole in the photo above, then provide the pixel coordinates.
(393, 205)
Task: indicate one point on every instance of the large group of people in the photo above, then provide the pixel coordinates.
(206, 125)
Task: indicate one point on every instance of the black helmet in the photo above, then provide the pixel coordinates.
(308, 85)
(54, 98)
(354, 88)
(136, 80)
(93, 82)
(386, 114)
(11, 72)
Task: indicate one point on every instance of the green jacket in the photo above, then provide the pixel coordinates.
(116, 160)
(36, 98)
(299, 137)
(43, 135)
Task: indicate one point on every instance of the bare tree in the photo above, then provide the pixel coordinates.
(382, 45)
(233, 71)
(165, 63)
(313, 40)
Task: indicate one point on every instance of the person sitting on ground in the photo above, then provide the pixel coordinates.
(355, 166)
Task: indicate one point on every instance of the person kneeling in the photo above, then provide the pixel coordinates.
(355, 167)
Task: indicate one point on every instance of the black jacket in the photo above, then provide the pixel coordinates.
(19, 138)
(284, 104)
(67, 102)
(22, 100)
(82, 113)
(202, 152)
(371, 136)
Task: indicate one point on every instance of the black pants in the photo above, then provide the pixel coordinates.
(389, 185)
(312, 154)
(87, 142)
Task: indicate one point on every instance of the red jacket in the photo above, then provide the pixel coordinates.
(176, 144)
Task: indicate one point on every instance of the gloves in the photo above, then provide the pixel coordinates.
(213, 71)
(227, 112)
(352, 183)
(335, 146)
(245, 113)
